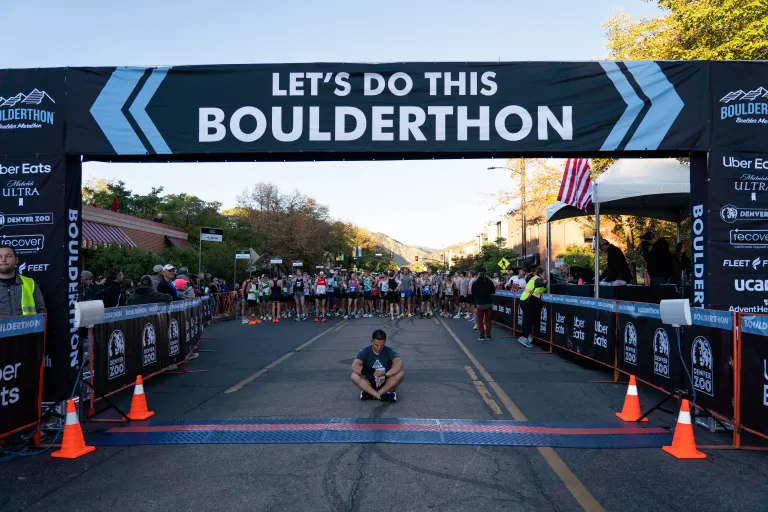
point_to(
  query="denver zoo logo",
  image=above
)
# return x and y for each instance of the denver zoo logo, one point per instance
(148, 345)
(703, 373)
(22, 111)
(630, 344)
(173, 338)
(116, 354)
(543, 320)
(661, 353)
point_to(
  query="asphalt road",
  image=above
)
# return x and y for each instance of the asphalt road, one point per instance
(313, 382)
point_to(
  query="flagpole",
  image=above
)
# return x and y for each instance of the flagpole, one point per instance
(597, 246)
(549, 254)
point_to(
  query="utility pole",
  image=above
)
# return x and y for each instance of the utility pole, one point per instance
(522, 163)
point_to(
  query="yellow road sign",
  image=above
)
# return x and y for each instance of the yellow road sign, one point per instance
(504, 263)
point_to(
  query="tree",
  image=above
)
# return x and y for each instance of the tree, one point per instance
(535, 184)
(701, 29)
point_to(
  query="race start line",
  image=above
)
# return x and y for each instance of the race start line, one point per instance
(388, 430)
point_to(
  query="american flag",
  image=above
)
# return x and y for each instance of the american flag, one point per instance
(576, 187)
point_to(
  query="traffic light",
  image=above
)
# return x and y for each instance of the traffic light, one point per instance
(417, 258)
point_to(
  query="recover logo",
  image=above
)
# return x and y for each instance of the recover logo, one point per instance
(24, 244)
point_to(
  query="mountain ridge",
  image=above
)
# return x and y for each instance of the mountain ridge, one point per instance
(405, 255)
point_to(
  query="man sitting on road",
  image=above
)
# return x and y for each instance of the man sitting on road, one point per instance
(378, 370)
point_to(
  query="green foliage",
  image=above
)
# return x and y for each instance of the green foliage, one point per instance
(578, 256)
(490, 255)
(701, 29)
(134, 263)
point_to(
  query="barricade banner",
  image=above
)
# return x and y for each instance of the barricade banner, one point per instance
(22, 345)
(647, 348)
(541, 329)
(754, 372)
(708, 355)
(141, 340)
(205, 309)
(503, 307)
(519, 314)
(585, 326)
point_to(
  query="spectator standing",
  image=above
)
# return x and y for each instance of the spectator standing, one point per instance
(483, 289)
(146, 294)
(112, 294)
(19, 295)
(166, 285)
(157, 277)
(86, 286)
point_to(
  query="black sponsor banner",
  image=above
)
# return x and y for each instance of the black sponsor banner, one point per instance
(40, 219)
(585, 326)
(739, 99)
(541, 328)
(503, 308)
(647, 348)
(21, 357)
(140, 340)
(388, 108)
(737, 238)
(708, 354)
(116, 345)
(700, 289)
(206, 308)
(32, 111)
(754, 372)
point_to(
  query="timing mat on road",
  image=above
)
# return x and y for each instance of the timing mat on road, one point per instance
(387, 430)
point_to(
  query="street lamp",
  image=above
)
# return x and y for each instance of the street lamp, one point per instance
(522, 201)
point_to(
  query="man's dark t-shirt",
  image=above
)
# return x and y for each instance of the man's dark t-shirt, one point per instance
(373, 362)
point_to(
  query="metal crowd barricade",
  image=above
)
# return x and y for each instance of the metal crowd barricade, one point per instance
(722, 357)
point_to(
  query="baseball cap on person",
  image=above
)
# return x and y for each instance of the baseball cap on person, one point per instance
(169, 267)
(86, 275)
(157, 268)
(145, 281)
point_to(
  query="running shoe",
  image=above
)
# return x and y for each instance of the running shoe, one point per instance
(389, 396)
(245, 321)
(474, 328)
(317, 320)
(304, 318)
(324, 320)
(482, 338)
(298, 319)
(346, 317)
(488, 337)
(524, 342)
(470, 320)
(365, 396)
(277, 320)
(456, 316)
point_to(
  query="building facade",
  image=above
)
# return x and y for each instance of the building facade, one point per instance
(105, 227)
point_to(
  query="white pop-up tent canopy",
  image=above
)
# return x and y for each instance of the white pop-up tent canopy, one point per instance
(654, 188)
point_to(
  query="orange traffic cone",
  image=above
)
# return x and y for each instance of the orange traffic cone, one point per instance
(683, 443)
(73, 444)
(139, 410)
(631, 410)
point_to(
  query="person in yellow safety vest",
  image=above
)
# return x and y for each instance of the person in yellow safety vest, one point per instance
(530, 302)
(19, 295)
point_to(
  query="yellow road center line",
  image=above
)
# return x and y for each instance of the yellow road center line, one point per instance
(484, 394)
(282, 358)
(558, 465)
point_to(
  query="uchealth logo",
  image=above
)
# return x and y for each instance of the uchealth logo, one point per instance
(148, 345)
(630, 344)
(24, 244)
(26, 111)
(750, 285)
(703, 366)
(116, 354)
(173, 338)
(746, 107)
(661, 353)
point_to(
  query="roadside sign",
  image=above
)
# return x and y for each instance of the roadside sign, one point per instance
(298, 263)
(277, 260)
(243, 255)
(319, 266)
(211, 234)
(504, 263)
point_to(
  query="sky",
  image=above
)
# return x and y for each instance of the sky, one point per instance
(444, 201)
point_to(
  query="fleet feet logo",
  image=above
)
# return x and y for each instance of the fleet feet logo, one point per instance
(25, 111)
(746, 107)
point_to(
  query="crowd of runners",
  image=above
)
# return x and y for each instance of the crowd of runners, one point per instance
(392, 294)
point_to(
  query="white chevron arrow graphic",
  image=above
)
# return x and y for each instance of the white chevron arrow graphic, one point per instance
(107, 110)
(666, 105)
(633, 101)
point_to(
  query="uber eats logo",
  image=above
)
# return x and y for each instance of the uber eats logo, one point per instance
(9, 374)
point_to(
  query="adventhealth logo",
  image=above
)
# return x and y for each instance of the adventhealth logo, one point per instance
(745, 105)
(26, 107)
